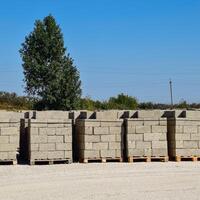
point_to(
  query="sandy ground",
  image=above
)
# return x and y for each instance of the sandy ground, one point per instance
(101, 181)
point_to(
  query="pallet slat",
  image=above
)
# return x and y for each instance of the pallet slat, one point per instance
(187, 158)
(101, 160)
(147, 159)
(50, 162)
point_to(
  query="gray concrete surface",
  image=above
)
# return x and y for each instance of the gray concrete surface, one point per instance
(113, 181)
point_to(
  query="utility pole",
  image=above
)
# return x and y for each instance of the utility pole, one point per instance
(171, 94)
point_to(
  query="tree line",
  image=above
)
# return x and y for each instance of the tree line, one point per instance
(11, 101)
(52, 81)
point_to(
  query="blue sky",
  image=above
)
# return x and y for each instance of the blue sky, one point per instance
(129, 46)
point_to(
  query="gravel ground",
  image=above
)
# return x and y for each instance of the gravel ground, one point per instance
(143, 181)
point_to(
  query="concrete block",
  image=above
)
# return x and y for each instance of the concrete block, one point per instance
(185, 136)
(159, 144)
(89, 130)
(107, 115)
(179, 144)
(56, 155)
(114, 145)
(195, 136)
(155, 114)
(63, 146)
(63, 131)
(179, 129)
(13, 139)
(159, 129)
(34, 139)
(148, 122)
(190, 144)
(68, 154)
(34, 131)
(8, 147)
(100, 146)
(185, 152)
(42, 131)
(91, 123)
(131, 129)
(135, 137)
(108, 138)
(88, 145)
(159, 152)
(47, 147)
(101, 130)
(117, 123)
(107, 153)
(143, 145)
(92, 138)
(55, 139)
(38, 155)
(118, 153)
(190, 129)
(34, 147)
(10, 131)
(12, 155)
(3, 155)
(135, 122)
(91, 154)
(118, 138)
(51, 114)
(155, 136)
(67, 138)
(4, 139)
(143, 129)
(135, 152)
(131, 144)
(147, 152)
(115, 130)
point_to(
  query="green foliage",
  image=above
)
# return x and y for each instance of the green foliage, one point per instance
(122, 102)
(49, 73)
(10, 101)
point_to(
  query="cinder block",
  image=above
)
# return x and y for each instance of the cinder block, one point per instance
(116, 130)
(159, 144)
(135, 152)
(12, 155)
(134, 122)
(63, 146)
(88, 145)
(143, 145)
(63, 131)
(92, 138)
(14, 139)
(42, 131)
(131, 144)
(190, 129)
(159, 129)
(67, 138)
(38, 155)
(108, 138)
(107, 153)
(88, 130)
(38, 139)
(34, 131)
(117, 123)
(4, 139)
(179, 144)
(131, 129)
(8, 147)
(147, 152)
(3, 155)
(10, 131)
(101, 130)
(56, 154)
(190, 144)
(155, 136)
(118, 153)
(135, 137)
(91, 154)
(143, 129)
(159, 152)
(114, 145)
(195, 136)
(148, 122)
(68, 154)
(100, 146)
(47, 147)
(34, 147)
(185, 136)
(55, 139)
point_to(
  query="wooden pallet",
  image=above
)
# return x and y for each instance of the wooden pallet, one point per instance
(147, 159)
(8, 162)
(100, 160)
(187, 158)
(50, 162)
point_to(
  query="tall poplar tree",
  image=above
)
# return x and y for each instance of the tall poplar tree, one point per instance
(49, 72)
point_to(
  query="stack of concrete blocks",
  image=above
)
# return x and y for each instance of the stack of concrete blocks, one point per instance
(9, 136)
(184, 135)
(50, 137)
(100, 136)
(146, 135)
